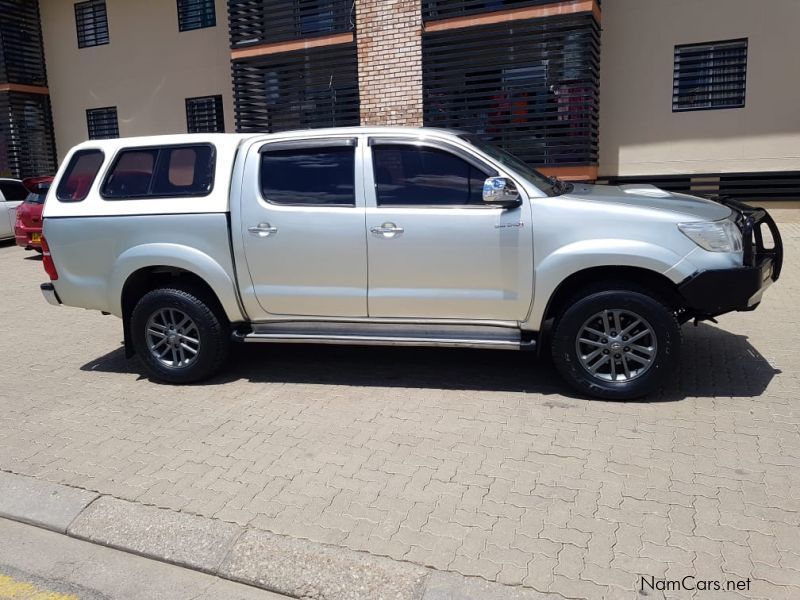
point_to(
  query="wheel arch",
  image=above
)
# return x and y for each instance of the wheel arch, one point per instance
(147, 267)
(658, 284)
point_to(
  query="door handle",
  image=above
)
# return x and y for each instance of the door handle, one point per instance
(262, 229)
(387, 230)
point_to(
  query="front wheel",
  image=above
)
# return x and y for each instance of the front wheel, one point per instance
(179, 335)
(616, 344)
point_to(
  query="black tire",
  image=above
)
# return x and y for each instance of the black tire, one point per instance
(630, 300)
(212, 331)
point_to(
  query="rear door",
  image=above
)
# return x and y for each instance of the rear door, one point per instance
(302, 222)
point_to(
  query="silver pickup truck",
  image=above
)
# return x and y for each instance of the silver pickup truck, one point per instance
(394, 236)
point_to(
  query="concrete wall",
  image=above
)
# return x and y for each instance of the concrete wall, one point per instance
(639, 133)
(147, 71)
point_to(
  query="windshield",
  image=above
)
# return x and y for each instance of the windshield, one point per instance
(549, 185)
(36, 198)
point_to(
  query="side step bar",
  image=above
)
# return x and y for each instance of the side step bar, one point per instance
(387, 335)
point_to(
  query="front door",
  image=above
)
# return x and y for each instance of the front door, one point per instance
(303, 228)
(435, 249)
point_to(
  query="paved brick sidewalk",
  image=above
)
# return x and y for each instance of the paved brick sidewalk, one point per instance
(468, 461)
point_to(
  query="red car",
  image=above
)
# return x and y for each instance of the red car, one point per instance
(28, 226)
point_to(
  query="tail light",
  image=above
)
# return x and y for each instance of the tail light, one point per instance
(47, 261)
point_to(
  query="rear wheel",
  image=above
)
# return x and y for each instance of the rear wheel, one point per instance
(616, 344)
(179, 335)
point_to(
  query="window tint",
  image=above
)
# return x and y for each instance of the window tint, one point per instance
(412, 176)
(161, 172)
(310, 176)
(13, 190)
(79, 175)
(131, 174)
(184, 171)
(91, 21)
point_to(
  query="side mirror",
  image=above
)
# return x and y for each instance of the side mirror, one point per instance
(501, 191)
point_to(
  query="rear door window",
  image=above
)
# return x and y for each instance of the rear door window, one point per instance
(79, 175)
(131, 175)
(316, 176)
(13, 191)
(162, 172)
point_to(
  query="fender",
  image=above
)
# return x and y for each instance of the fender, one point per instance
(567, 260)
(179, 256)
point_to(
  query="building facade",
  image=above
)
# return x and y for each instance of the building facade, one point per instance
(26, 126)
(693, 96)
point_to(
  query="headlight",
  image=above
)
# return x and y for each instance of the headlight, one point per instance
(716, 236)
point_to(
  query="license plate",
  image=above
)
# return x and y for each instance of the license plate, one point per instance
(36, 238)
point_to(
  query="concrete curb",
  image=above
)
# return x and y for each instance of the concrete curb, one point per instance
(294, 567)
(47, 505)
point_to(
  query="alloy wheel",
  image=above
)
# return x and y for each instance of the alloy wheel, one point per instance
(616, 345)
(172, 338)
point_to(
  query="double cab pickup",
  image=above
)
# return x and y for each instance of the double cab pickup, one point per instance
(393, 236)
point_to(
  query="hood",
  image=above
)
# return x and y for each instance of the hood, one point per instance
(649, 196)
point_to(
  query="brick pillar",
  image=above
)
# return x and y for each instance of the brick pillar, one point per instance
(389, 40)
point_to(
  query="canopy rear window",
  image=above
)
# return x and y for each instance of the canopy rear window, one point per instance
(161, 172)
(79, 175)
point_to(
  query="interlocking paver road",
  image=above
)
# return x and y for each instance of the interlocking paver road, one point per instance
(477, 462)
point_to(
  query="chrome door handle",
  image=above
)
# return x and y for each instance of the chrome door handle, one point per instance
(262, 229)
(387, 230)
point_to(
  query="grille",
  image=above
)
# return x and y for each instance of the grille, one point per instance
(317, 87)
(529, 86)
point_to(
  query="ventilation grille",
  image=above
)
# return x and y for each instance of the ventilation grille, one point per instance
(769, 185)
(681, 184)
(196, 14)
(102, 123)
(783, 185)
(266, 21)
(528, 86)
(433, 10)
(204, 115)
(21, 55)
(27, 147)
(91, 21)
(710, 76)
(297, 90)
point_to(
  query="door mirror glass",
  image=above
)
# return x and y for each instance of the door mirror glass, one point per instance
(501, 191)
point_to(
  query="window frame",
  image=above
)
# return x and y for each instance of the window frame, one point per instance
(739, 43)
(474, 161)
(182, 27)
(63, 177)
(218, 103)
(149, 196)
(82, 43)
(309, 144)
(89, 122)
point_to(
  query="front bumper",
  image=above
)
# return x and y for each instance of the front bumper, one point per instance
(715, 292)
(50, 294)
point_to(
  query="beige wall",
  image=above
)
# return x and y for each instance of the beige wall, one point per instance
(147, 71)
(639, 133)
